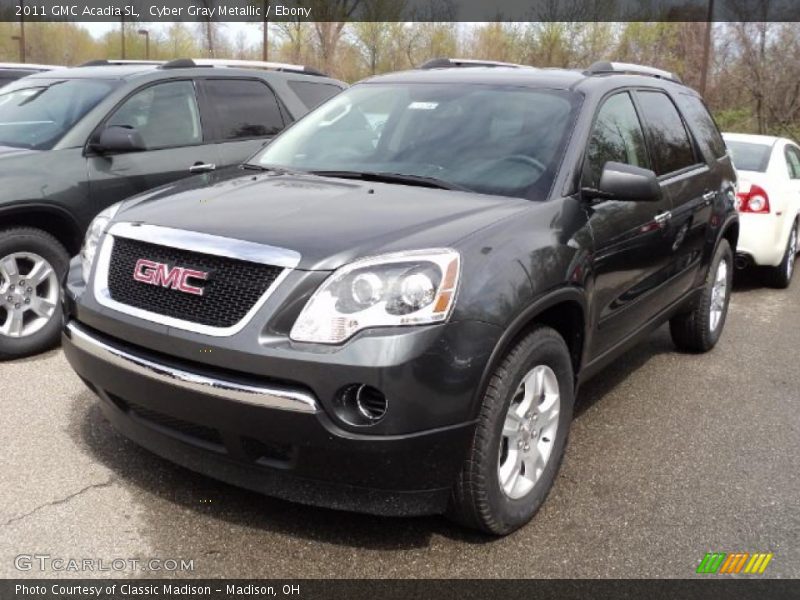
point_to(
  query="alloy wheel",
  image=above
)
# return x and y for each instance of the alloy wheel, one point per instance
(529, 432)
(719, 295)
(28, 294)
(792, 253)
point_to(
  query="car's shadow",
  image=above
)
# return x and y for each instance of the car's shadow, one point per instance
(152, 478)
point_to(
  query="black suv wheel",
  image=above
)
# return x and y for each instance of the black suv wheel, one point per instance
(700, 329)
(520, 436)
(32, 265)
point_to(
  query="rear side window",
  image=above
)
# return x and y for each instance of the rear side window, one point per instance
(703, 124)
(793, 162)
(616, 136)
(748, 156)
(313, 94)
(669, 142)
(245, 108)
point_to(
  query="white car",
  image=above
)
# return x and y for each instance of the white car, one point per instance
(768, 203)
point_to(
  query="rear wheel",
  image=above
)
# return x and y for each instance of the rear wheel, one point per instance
(781, 276)
(32, 265)
(520, 436)
(700, 329)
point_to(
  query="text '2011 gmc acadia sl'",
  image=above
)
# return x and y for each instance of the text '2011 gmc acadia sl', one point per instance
(390, 308)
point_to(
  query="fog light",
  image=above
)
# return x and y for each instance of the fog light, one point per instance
(361, 404)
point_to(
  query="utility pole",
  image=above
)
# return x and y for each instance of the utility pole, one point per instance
(265, 42)
(706, 48)
(146, 35)
(122, 33)
(21, 36)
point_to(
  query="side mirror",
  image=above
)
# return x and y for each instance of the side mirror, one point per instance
(119, 139)
(620, 181)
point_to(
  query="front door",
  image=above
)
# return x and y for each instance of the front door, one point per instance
(630, 242)
(167, 117)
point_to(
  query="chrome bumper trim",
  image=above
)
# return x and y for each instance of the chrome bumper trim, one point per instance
(276, 397)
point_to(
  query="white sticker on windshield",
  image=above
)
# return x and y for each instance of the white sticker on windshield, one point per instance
(423, 105)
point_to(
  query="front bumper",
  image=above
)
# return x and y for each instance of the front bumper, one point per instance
(269, 438)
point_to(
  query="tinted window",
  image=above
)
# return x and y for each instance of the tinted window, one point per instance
(313, 94)
(750, 157)
(616, 136)
(703, 124)
(669, 142)
(793, 161)
(245, 108)
(491, 139)
(165, 115)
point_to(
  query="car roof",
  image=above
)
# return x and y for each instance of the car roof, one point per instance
(752, 138)
(552, 78)
(155, 71)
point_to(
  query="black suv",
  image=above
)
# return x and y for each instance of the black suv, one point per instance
(75, 141)
(391, 307)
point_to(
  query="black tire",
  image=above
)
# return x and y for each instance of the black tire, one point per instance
(478, 500)
(692, 331)
(36, 241)
(781, 276)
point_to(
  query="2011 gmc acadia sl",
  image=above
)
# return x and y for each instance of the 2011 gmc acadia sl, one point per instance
(390, 307)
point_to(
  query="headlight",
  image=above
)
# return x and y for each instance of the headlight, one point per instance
(407, 288)
(93, 236)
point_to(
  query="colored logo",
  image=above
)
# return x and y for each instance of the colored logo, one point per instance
(735, 562)
(163, 275)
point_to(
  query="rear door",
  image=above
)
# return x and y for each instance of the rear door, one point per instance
(689, 185)
(245, 115)
(631, 249)
(792, 156)
(167, 116)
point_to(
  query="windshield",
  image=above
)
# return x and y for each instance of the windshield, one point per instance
(496, 140)
(748, 156)
(37, 113)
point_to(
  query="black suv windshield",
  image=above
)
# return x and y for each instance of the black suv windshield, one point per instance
(37, 113)
(496, 140)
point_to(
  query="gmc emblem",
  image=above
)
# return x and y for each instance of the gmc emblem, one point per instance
(161, 274)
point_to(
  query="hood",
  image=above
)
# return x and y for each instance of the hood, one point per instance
(328, 221)
(7, 151)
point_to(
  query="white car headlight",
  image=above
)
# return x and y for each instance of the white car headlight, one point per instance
(406, 288)
(93, 236)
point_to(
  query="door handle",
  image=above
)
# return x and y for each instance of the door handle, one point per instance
(663, 218)
(709, 196)
(200, 167)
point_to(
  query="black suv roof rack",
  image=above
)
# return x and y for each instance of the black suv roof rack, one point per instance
(605, 67)
(446, 63)
(186, 63)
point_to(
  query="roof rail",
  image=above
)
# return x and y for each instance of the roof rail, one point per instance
(604, 67)
(29, 66)
(102, 62)
(183, 63)
(446, 63)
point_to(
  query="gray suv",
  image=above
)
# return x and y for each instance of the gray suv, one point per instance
(75, 141)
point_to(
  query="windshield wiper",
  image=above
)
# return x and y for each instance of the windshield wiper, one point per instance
(276, 170)
(401, 178)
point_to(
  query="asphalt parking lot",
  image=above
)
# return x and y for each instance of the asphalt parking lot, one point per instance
(670, 456)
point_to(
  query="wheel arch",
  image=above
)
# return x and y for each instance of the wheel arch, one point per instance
(52, 219)
(563, 309)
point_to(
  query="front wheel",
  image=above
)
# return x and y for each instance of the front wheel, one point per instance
(32, 265)
(700, 329)
(520, 436)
